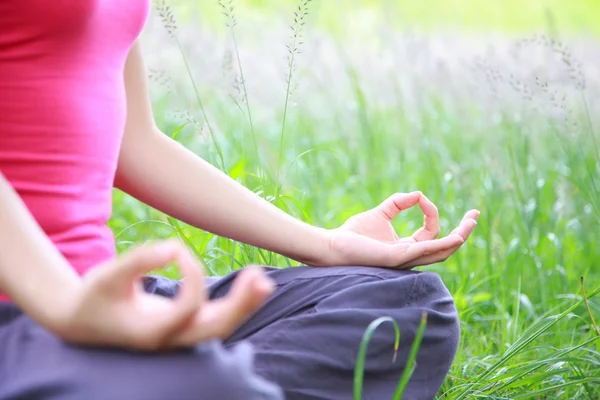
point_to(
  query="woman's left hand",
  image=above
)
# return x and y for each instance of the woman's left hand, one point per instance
(369, 239)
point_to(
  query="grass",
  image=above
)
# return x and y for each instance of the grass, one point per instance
(505, 124)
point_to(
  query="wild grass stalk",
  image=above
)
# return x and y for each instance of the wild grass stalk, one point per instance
(293, 51)
(229, 12)
(170, 23)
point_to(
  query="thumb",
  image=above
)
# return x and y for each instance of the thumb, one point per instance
(188, 302)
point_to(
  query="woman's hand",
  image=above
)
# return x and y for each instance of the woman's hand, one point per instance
(369, 238)
(112, 309)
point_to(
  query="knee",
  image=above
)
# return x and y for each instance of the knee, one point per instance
(412, 293)
(430, 292)
(430, 295)
(425, 293)
(401, 289)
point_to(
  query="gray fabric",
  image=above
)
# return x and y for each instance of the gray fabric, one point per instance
(305, 339)
(34, 365)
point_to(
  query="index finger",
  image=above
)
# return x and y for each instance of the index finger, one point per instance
(397, 203)
(120, 273)
(142, 260)
(191, 296)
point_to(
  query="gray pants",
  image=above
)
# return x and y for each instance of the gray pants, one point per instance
(301, 345)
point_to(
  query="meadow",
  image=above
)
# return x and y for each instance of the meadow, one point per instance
(327, 112)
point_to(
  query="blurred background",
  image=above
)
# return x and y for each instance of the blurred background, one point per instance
(479, 16)
(326, 107)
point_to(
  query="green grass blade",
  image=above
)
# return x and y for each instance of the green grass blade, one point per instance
(190, 245)
(412, 359)
(362, 352)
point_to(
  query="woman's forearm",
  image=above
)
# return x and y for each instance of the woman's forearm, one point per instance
(165, 175)
(33, 273)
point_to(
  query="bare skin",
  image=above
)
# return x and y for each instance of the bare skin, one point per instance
(107, 307)
(212, 201)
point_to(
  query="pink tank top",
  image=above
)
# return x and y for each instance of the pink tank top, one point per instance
(62, 114)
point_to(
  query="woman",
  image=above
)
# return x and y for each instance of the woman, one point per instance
(76, 321)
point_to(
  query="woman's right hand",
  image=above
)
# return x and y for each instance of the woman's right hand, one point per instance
(112, 309)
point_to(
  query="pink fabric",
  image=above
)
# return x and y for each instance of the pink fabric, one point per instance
(62, 114)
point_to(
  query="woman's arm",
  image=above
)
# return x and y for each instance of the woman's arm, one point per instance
(163, 174)
(108, 307)
(33, 273)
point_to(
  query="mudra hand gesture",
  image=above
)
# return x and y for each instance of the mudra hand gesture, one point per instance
(369, 238)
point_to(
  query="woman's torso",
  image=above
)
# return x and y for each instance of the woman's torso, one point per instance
(62, 113)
